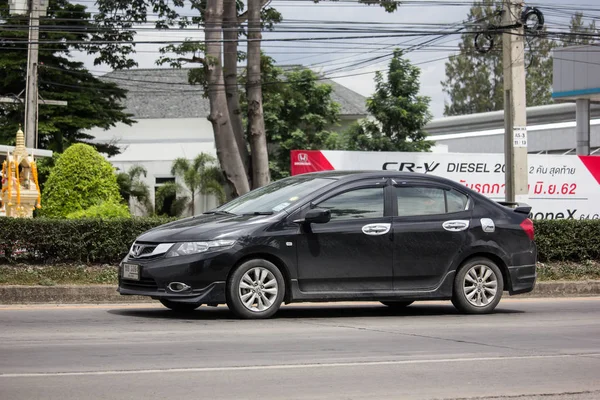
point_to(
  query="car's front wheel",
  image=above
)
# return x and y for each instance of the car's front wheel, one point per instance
(478, 287)
(178, 306)
(255, 289)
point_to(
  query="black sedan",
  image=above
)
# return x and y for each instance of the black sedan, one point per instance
(338, 236)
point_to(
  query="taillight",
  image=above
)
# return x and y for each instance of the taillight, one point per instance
(527, 226)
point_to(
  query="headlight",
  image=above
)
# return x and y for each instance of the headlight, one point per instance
(187, 248)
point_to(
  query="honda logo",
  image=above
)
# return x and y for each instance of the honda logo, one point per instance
(136, 250)
(303, 157)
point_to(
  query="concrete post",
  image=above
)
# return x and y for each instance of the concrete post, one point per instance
(31, 94)
(583, 127)
(515, 117)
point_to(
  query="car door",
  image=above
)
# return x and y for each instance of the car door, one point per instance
(353, 251)
(430, 228)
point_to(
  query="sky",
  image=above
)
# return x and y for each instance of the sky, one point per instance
(329, 56)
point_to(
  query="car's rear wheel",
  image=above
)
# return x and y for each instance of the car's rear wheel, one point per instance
(178, 306)
(397, 305)
(255, 289)
(478, 287)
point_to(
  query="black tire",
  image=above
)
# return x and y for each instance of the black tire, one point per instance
(479, 289)
(234, 292)
(178, 306)
(397, 305)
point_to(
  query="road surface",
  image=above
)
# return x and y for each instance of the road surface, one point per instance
(528, 348)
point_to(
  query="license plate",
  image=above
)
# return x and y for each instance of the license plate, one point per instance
(131, 272)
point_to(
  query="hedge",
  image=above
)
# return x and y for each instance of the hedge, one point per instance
(568, 240)
(42, 240)
(47, 240)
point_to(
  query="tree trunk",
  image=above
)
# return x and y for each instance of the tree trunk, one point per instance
(193, 204)
(230, 62)
(227, 149)
(256, 122)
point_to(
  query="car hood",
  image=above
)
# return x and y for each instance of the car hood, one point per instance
(206, 227)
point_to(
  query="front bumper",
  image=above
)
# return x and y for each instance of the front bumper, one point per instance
(522, 279)
(212, 294)
(205, 274)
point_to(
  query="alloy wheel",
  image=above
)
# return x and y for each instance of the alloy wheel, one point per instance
(480, 285)
(258, 289)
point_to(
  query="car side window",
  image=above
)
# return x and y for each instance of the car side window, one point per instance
(425, 200)
(456, 201)
(355, 204)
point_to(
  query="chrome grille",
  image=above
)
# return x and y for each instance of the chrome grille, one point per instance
(141, 250)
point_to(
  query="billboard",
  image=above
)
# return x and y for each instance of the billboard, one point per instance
(560, 187)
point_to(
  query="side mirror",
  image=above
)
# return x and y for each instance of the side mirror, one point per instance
(316, 216)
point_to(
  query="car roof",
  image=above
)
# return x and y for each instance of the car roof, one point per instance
(356, 175)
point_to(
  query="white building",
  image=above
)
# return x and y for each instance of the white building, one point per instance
(172, 122)
(551, 129)
(572, 126)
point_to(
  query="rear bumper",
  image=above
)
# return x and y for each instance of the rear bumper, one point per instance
(522, 279)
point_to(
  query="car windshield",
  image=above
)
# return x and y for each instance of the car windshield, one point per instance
(274, 197)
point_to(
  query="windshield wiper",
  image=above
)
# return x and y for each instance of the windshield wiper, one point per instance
(259, 213)
(220, 212)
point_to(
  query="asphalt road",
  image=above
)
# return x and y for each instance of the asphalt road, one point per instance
(527, 348)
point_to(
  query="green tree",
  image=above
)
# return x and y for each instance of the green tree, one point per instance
(200, 176)
(81, 178)
(399, 113)
(581, 33)
(170, 201)
(299, 113)
(131, 186)
(104, 210)
(474, 81)
(91, 102)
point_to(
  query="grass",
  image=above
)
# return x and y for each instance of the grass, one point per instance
(568, 271)
(20, 274)
(43, 275)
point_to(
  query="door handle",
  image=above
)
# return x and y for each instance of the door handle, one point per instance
(376, 229)
(456, 225)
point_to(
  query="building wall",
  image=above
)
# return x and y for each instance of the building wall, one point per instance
(180, 130)
(162, 169)
(155, 144)
(556, 138)
(576, 72)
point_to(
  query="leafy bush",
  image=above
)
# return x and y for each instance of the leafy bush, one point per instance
(568, 240)
(43, 240)
(80, 179)
(103, 210)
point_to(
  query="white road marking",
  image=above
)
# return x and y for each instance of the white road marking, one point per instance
(292, 366)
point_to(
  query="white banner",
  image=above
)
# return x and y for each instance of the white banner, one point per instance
(560, 187)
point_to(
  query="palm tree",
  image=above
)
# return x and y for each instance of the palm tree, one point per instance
(131, 186)
(200, 176)
(167, 201)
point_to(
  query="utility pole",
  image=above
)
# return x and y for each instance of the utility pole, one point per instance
(515, 114)
(35, 9)
(31, 93)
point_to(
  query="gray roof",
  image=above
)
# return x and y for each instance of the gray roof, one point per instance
(165, 93)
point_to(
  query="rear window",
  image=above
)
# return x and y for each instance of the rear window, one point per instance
(426, 200)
